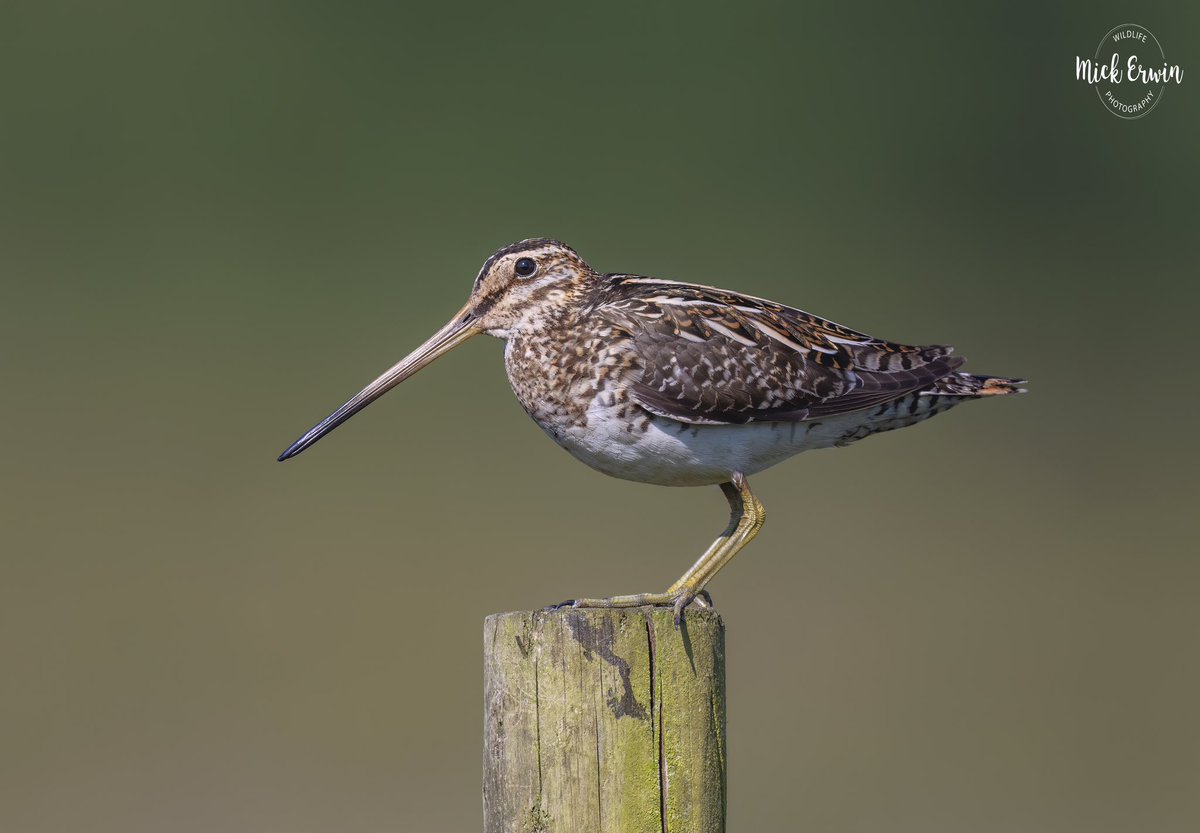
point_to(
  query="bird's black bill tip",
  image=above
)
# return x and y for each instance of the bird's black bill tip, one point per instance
(292, 450)
(321, 429)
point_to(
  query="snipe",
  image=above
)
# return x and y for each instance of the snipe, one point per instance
(679, 384)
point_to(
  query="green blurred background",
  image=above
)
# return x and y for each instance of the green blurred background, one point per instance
(219, 219)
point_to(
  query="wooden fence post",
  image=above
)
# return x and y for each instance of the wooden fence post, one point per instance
(604, 721)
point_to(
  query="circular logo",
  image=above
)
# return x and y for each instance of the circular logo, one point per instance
(1132, 71)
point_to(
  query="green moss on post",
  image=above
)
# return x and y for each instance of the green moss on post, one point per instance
(604, 721)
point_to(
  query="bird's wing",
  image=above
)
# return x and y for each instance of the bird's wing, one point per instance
(713, 357)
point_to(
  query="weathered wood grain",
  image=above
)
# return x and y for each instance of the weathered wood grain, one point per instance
(604, 721)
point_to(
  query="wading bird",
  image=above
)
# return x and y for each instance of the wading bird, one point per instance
(679, 384)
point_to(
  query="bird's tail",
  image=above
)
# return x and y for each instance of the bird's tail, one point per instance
(967, 384)
(945, 393)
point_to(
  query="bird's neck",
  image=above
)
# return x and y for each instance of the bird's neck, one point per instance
(558, 310)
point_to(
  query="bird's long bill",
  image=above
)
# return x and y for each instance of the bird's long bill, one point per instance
(461, 327)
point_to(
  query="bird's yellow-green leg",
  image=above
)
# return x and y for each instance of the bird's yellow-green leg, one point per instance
(746, 519)
(750, 515)
(736, 514)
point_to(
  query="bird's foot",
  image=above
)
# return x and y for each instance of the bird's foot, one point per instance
(701, 599)
(678, 600)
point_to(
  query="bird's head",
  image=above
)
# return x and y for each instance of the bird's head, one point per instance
(526, 286)
(522, 287)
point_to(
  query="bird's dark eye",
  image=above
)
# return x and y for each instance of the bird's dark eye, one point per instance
(526, 267)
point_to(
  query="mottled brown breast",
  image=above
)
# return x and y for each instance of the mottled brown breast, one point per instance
(563, 370)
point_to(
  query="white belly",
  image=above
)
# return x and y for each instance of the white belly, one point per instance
(669, 453)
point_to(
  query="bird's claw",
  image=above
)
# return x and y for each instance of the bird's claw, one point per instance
(701, 599)
(682, 599)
